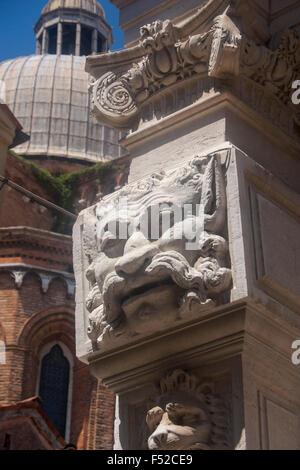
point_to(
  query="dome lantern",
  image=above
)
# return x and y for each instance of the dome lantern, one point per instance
(72, 27)
(48, 91)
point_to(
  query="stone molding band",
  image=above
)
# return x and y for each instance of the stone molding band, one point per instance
(18, 272)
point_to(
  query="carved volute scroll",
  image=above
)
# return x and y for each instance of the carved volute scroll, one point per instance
(157, 273)
(188, 415)
(168, 55)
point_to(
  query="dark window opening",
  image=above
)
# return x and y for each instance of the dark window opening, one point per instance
(7, 442)
(54, 387)
(52, 38)
(70, 269)
(100, 44)
(68, 38)
(86, 41)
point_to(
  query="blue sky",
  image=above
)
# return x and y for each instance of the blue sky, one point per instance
(17, 18)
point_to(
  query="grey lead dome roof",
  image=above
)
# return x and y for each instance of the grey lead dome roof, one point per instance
(49, 96)
(91, 6)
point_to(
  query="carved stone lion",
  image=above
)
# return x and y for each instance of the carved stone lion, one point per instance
(188, 416)
(169, 259)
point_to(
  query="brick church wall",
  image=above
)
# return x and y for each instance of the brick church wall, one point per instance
(29, 320)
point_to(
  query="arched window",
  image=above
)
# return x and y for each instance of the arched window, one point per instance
(54, 386)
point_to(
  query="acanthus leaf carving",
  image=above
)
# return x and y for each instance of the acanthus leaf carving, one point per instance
(225, 47)
(171, 54)
(274, 70)
(165, 62)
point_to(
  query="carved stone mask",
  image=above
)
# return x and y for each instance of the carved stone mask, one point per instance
(186, 416)
(178, 426)
(170, 256)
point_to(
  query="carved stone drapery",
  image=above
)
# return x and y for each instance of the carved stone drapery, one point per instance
(168, 55)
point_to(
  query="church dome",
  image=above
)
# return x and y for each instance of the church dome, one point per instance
(92, 6)
(48, 92)
(49, 96)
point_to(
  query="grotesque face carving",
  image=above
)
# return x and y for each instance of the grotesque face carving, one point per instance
(187, 416)
(178, 426)
(155, 248)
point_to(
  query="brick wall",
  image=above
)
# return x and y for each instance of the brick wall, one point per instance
(17, 209)
(29, 320)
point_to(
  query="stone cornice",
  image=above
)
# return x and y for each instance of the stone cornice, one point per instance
(18, 272)
(206, 105)
(96, 65)
(168, 56)
(36, 247)
(229, 331)
(26, 250)
(211, 7)
(37, 232)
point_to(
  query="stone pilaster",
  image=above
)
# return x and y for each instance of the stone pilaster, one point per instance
(174, 329)
(78, 39)
(59, 38)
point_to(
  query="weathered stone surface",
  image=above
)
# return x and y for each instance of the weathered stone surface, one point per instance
(257, 327)
(188, 415)
(171, 263)
(214, 83)
(168, 55)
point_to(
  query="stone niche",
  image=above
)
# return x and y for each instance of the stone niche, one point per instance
(191, 316)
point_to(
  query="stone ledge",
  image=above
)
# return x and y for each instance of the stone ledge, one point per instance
(210, 104)
(220, 335)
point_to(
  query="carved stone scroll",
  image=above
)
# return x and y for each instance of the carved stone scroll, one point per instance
(168, 55)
